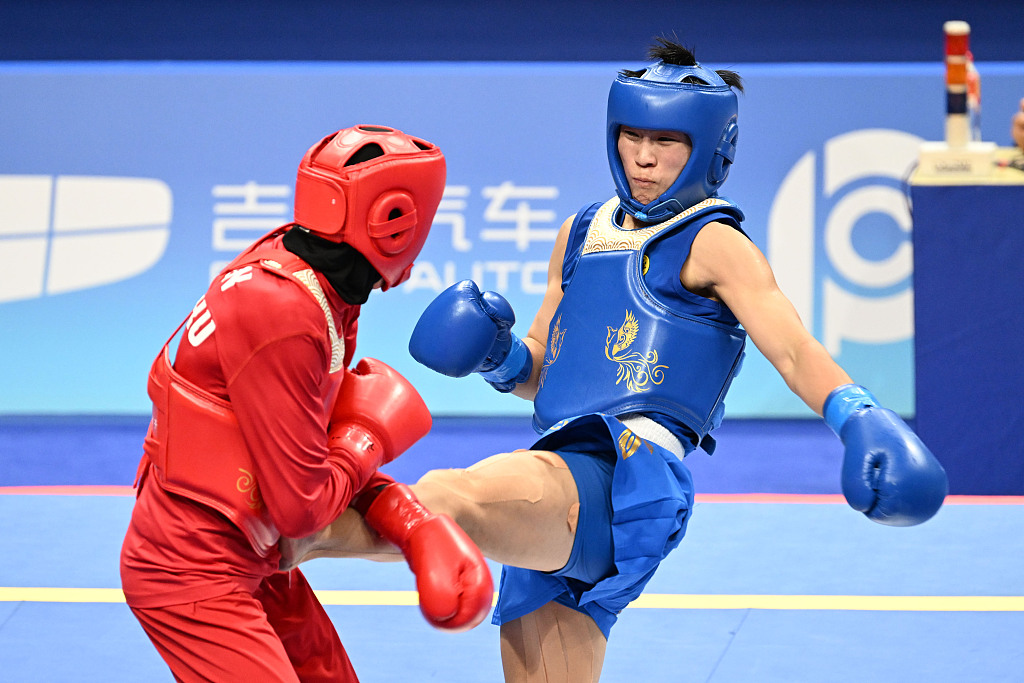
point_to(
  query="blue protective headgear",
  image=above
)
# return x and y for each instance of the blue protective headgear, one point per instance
(704, 111)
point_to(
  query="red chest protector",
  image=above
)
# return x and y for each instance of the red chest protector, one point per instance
(194, 442)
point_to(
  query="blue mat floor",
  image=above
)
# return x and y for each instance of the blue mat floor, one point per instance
(796, 554)
(755, 593)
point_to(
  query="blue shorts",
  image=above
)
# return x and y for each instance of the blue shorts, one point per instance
(635, 499)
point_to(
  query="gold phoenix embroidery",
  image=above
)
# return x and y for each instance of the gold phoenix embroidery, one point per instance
(554, 348)
(638, 370)
(629, 443)
(247, 484)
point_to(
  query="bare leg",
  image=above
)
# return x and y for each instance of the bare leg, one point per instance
(347, 536)
(553, 644)
(520, 508)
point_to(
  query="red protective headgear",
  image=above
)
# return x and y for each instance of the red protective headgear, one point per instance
(374, 188)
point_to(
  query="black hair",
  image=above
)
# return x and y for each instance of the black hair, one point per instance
(672, 52)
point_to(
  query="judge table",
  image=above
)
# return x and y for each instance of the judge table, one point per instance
(969, 324)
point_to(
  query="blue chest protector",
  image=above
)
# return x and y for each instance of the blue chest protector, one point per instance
(628, 338)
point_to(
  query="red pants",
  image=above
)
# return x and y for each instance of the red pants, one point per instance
(281, 633)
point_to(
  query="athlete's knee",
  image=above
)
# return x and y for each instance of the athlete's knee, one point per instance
(467, 495)
(521, 485)
(444, 492)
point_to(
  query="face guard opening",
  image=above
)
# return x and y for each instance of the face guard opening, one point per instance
(691, 100)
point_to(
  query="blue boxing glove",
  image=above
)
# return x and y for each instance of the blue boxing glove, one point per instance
(888, 473)
(464, 331)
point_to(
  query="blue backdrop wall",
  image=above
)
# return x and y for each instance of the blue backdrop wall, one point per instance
(125, 184)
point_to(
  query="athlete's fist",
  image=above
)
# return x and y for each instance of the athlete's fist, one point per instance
(465, 330)
(888, 473)
(377, 416)
(452, 577)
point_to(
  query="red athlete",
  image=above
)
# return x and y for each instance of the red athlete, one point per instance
(260, 431)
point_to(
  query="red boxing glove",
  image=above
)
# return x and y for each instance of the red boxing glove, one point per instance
(452, 577)
(377, 416)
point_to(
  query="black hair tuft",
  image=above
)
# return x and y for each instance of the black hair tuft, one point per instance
(671, 52)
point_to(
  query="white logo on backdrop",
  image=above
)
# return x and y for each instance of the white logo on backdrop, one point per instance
(869, 311)
(59, 234)
(510, 217)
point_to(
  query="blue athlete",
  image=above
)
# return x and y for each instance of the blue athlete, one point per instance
(650, 299)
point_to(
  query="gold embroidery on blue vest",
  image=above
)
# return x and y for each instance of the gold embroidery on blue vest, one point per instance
(638, 370)
(554, 347)
(629, 443)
